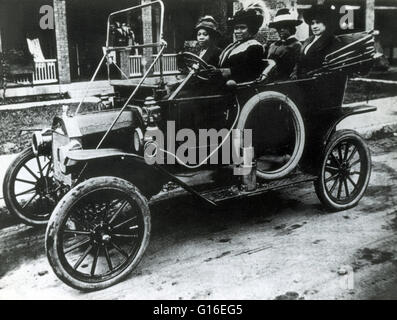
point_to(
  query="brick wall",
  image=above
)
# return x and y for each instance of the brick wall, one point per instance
(61, 36)
(147, 30)
(1, 19)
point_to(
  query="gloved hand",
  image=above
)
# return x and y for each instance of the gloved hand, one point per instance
(214, 74)
(293, 76)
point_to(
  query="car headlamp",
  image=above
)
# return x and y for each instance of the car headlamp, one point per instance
(41, 141)
(138, 140)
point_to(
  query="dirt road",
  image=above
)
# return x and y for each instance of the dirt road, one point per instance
(281, 246)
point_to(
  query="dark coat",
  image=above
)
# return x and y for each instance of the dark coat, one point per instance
(211, 56)
(285, 54)
(244, 59)
(315, 56)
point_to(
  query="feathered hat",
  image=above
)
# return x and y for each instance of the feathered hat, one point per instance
(250, 16)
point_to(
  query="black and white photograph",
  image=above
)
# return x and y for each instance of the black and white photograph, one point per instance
(198, 151)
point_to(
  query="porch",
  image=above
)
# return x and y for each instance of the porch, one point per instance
(30, 51)
(45, 72)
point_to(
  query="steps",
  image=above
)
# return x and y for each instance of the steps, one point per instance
(74, 90)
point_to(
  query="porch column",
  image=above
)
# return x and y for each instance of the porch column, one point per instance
(147, 29)
(1, 19)
(370, 15)
(61, 37)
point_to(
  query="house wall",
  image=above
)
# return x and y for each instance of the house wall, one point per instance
(181, 17)
(19, 20)
(385, 22)
(74, 17)
(86, 23)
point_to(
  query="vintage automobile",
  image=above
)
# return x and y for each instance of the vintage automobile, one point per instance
(99, 170)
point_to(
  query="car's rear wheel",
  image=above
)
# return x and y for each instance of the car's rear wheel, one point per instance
(344, 172)
(98, 233)
(29, 189)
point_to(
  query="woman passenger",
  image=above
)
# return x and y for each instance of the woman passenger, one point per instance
(285, 52)
(242, 60)
(314, 50)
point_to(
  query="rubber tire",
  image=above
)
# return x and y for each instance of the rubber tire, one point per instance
(11, 172)
(271, 96)
(61, 212)
(319, 186)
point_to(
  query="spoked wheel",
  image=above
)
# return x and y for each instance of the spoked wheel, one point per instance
(345, 171)
(98, 233)
(30, 192)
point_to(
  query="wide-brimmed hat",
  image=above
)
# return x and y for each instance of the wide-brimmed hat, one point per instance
(208, 23)
(251, 17)
(325, 13)
(284, 18)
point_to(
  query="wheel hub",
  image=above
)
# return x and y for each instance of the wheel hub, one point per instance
(106, 238)
(101, 234)
(344, 170)
(43, 185)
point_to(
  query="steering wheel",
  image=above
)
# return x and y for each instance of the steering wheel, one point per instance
(193, 63)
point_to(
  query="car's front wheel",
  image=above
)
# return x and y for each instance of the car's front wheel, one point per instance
(29, 188)
(98, 233)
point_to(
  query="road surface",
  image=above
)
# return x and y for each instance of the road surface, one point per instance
(279, 246)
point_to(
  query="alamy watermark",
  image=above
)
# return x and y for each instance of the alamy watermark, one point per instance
(193, 149)
(346, 22)
(47, 18)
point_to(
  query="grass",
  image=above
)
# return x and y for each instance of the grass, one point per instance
(12, 121)
(362, 91)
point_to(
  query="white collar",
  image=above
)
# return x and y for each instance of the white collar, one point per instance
(203, 52)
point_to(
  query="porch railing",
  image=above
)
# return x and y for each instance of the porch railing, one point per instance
(45, 72)
(169, 65)
(135, 66)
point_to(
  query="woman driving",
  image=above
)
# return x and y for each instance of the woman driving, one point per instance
(207, 33)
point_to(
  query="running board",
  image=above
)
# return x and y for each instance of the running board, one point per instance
(223, 194)
(234, 193)
(187, 188)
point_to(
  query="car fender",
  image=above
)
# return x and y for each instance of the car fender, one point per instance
(344, 113)
(85, 164)
(74, 157)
